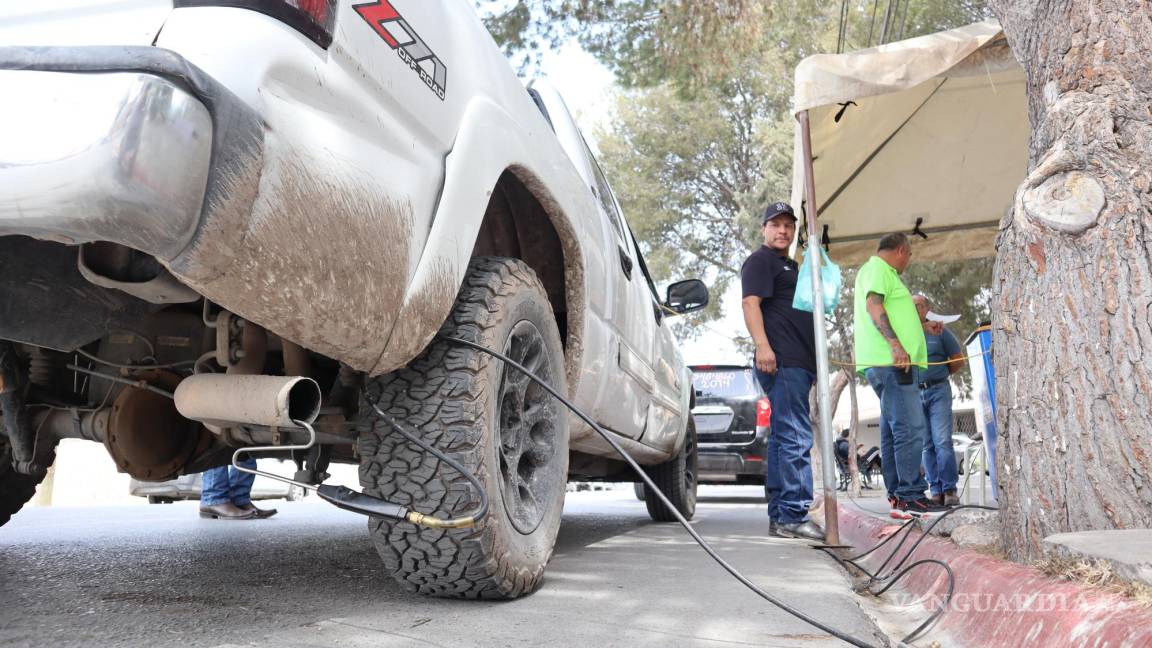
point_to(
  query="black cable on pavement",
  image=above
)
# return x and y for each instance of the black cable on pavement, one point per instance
(923, 627)
(894, 576)
(924, 534)
(907, 529)
(655, 490)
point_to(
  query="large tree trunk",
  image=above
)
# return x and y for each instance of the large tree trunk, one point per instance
(1073, 280)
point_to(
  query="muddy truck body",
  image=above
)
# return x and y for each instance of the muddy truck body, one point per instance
(277, 209)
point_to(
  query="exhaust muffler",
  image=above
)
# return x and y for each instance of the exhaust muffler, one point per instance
(224, 400)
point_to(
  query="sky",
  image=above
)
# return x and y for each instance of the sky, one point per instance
(588, 88)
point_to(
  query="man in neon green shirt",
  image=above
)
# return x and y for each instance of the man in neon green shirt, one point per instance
(890, 349)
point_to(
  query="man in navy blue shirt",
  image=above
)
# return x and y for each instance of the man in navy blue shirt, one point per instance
(936, 397)
(786, 369)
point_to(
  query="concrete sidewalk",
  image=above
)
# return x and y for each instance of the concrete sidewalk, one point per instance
(649, 585)
(162, 577)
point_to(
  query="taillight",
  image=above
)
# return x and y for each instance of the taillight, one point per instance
(318, 10)
(763, 413)
(313, 18)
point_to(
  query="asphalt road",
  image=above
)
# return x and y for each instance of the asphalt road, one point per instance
(161, 576)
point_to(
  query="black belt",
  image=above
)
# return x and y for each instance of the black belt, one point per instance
(932, 383)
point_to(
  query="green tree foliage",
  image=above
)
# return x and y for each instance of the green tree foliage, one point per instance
(873, 22)
(692, 174)
(702, 135)
(644, 42)
(692, 43)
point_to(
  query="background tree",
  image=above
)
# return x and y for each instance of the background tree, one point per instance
(692, 174)
(1073, 276)
(873, 22)
(695, 157)
(691, 43)
(644, 42)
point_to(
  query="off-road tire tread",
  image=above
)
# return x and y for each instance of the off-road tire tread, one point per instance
(441, 394)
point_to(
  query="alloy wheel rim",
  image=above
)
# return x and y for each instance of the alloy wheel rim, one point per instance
(690, 464)
(526, 440)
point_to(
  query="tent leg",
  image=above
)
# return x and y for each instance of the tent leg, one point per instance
(823, 387)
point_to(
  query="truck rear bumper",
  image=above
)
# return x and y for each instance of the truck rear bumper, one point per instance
(116, 156)
(130, 145)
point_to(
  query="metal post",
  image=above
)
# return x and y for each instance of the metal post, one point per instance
(981, 475)
(823, 386)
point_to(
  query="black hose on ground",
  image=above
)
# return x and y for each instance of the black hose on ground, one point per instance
(893, 576)
(935, 616)
(924, 534)
(654, 489)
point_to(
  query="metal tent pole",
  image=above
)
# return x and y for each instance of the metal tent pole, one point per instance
(823, 386)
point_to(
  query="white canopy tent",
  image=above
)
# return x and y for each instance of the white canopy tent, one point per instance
(926, 136)
(931, 130)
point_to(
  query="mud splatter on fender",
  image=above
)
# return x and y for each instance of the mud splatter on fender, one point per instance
(421, 317)
(319, 255)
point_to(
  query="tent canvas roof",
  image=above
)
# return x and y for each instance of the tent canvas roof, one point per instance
(936, 132)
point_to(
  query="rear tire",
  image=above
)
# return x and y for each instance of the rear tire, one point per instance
(676, 478)
(638, 488)
(15, 488)
(511, 433)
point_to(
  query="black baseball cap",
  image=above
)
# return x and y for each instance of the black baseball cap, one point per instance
(777, 209)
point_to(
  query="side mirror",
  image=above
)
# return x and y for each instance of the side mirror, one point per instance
(686, 296)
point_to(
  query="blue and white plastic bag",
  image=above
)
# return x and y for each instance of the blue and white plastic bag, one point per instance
(830, 279)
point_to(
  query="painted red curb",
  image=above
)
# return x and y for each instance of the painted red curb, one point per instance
(999, 603)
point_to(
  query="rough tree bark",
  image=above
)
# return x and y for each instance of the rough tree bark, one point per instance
(1073, 276)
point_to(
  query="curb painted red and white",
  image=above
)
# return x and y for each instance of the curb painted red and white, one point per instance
(998, 603)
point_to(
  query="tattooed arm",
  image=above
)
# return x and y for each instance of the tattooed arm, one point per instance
(879, 317)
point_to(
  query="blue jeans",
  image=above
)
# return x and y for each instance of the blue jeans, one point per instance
(788, 462)
(939, 456)
(902, 432)
(226, 484)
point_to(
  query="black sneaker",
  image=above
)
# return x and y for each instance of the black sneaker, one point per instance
(774, 529)
(921, 507)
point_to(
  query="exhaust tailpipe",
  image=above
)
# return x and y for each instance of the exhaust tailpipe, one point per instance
(270, 401)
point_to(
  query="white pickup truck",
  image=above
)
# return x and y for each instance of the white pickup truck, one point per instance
(203, 189)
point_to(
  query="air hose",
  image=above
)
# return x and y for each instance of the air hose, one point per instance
(894, 575)
(656, 491)
(351, 500)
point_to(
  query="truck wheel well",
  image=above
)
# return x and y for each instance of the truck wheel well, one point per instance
(516, 225)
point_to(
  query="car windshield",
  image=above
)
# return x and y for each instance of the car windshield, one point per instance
(723, 383)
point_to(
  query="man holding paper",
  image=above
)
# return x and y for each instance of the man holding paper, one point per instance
(936, 398)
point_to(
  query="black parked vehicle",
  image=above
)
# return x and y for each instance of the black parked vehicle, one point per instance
(732, 415)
